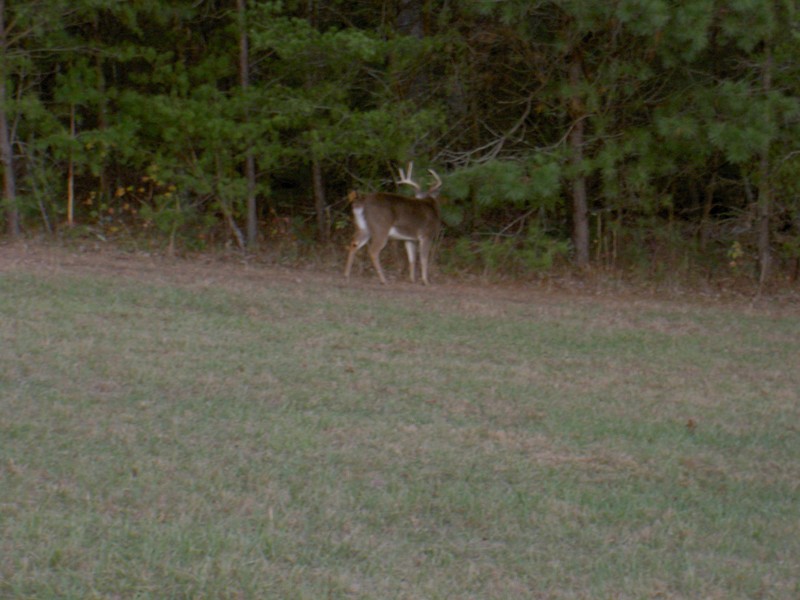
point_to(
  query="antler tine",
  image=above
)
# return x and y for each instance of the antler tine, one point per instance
(438, 183)
(406, 179)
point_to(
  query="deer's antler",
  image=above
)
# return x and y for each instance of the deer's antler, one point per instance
(434, 189)
(407, 179)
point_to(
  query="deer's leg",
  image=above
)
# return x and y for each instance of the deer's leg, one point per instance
(359, 239)
(411, 250)
(424, 254)
(376, 244)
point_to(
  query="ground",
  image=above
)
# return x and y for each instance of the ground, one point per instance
(224, 427)
(231, 270)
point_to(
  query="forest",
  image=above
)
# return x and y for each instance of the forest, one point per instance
(647, 135)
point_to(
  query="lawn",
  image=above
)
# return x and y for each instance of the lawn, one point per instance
(183, 429)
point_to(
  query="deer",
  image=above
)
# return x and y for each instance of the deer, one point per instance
(381, 216)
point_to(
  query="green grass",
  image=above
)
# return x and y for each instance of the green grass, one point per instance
(261, 437)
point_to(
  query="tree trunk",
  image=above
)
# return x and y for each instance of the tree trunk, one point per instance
(764, 191)
(71, 170)
(580, 210)
(708, 206)
(102, 115)
(320, 204)
(317, 178)
(6, 149)
(249, 161)
(764, 214)
(252, 207)
(227, 211)
(410, 21)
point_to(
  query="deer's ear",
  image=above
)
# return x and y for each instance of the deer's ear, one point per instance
(352, 196)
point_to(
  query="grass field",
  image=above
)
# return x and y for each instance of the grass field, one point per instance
(186, 430)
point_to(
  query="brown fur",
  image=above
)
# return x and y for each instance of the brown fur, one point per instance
(380, 216)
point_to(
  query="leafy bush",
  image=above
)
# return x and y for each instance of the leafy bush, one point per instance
(518, 255)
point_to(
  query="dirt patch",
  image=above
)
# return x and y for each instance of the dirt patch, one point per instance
(233, 271)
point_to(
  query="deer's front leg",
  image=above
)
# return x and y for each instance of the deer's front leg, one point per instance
(359, 239)
(377, 244)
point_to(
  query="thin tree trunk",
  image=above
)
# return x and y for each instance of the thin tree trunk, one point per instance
(6, 150)
(71, 171)
(317, 177)
(249, 161)
(227, 211)
(320, 204)
(410, 21)
(102, 116)
(764, 192)
(252, 206)
(580, 210)
(708, 206)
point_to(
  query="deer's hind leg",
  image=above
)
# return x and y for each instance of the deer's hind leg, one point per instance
(424, 254)
(411, 251)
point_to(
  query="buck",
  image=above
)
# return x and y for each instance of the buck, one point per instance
(381, 216)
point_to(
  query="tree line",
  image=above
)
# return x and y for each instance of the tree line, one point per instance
(643, 133)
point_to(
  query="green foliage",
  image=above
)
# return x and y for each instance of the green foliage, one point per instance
(746, 129)
(297, 44)
(747, 23)
(532, 252)
(167, 212)
(644, 17)
(679, 107)
(686, 33)
(535, 183)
